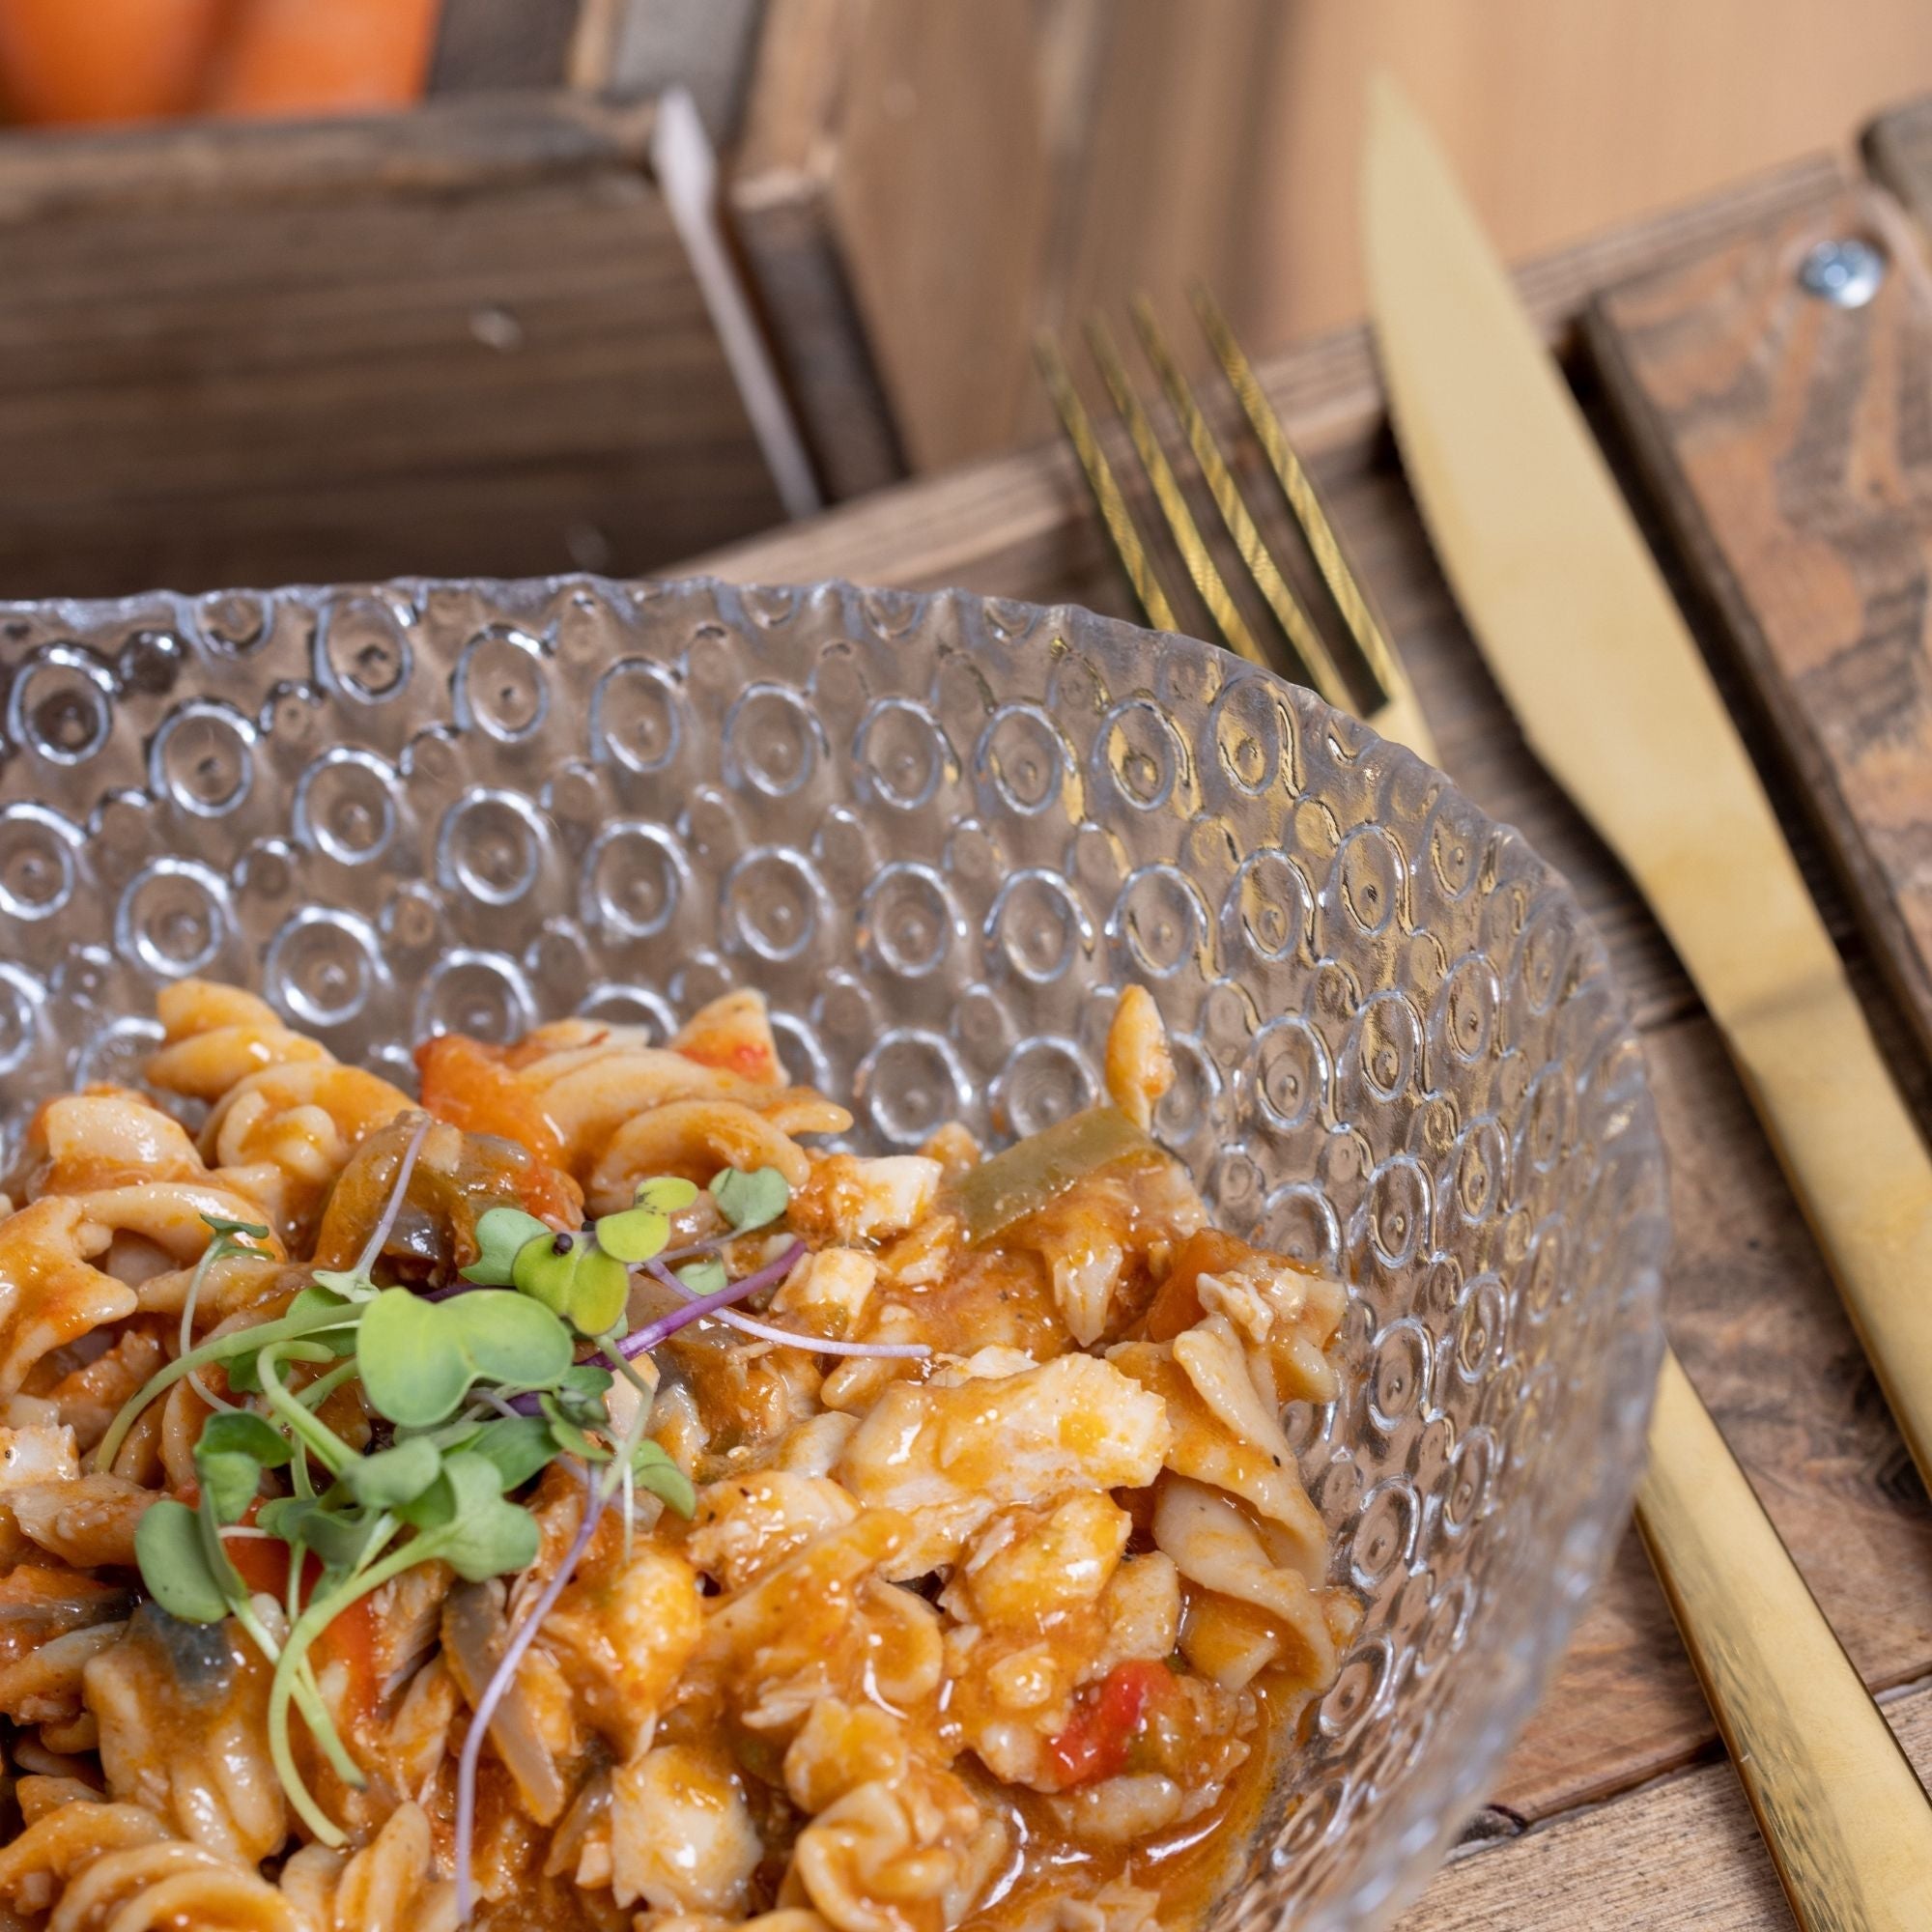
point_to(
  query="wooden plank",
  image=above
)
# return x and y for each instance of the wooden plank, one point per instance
(1681, 1855)
(894, 161)
(463, 340)
(1784, 439)
(1217, 140)
(706, 45)
(1898, 152)
(779, 202)
(1751, 1308)
(1014, 523)
(490, 44)
(457, 148)
(1754, 1313)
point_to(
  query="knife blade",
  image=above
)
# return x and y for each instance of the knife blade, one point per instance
(1577, 624)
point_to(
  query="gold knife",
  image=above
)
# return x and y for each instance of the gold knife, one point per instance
(1576, 623)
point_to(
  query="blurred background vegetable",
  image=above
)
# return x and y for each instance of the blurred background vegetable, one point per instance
(107, 60)
(137, 60)
(325, 56)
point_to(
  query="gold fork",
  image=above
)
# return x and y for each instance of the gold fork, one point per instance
(1391, 708)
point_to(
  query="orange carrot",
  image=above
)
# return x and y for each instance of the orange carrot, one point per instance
(105, 60)
(325, 56)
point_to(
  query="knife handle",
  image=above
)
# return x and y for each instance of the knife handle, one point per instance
(1845, 1818)
(1859, 1169)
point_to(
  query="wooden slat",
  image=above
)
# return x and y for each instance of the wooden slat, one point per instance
(1898, 152)
(465, 340)
(1682, 1855)
(1785, 441)
(457, 148)
(1752, 1310)
(1009, 524)
(502, 44)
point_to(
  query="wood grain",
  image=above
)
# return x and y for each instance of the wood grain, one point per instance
(1751, 1308)
(462, 340)
(895, 175)
(1898, 154)
(488, 44)
(1218, 139)
(1681, 1855)
(1788, 445)
(780, 199)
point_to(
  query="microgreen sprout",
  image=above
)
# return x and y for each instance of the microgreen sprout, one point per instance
(751, 1201)
(501, 1235)
(474, 1390)
(420, 1359)
(643, 1231)
(231, 1238)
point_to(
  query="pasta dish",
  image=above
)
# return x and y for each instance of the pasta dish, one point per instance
(582, 1496)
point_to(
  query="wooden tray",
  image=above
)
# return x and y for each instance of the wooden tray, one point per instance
(1582, 1832)
(463, 339)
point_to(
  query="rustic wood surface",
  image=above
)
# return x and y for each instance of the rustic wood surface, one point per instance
(1783, 439)
(1898, 152)
(1679, 1855)
(1218, 139)
(1750, 1306)
(501, 44)
(461, 340)
(782, 207)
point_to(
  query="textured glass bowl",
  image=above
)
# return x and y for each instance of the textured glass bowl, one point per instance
(940, 832)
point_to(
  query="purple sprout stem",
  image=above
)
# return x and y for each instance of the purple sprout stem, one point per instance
(652, 1333)
(494, 1692)
(790, 1338)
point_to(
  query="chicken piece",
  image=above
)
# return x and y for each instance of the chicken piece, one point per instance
(681, 1833)
(1015, 1684)
(852, 1198)
(1028, 1564)
(38, 1452)
(951, 1457)
(829, 1291)
(746, 1525)
(821, 1623)
(622, 1634)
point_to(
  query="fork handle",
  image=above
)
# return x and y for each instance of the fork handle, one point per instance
(1845, 1818)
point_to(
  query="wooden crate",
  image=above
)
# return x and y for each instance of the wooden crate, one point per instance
(465, 339)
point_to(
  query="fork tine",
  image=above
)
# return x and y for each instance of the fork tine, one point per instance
(1298, 628)
(1166, 487)
(1302, 500)
(1105, 486)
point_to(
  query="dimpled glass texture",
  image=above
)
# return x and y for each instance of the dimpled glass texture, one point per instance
(940, 832)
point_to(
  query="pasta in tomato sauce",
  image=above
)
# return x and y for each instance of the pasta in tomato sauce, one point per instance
(580, 1497)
